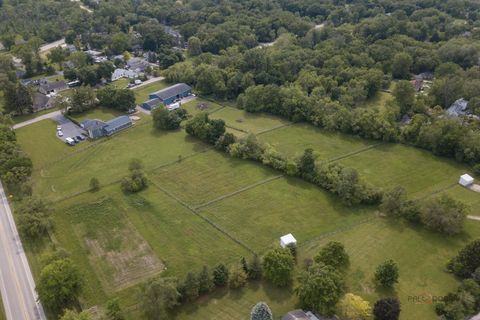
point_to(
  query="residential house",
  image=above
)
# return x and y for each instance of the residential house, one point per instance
(123, 73)
(52, 87)
(458, 108)
(172, 94)
(137, 64)
(41, 102)
(98, 128)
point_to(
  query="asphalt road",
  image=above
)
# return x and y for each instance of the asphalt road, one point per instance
(16, 281)
(50, 115)
(52, 45)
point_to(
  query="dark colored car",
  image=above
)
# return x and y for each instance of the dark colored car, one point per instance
(80, 138)
(75, 139)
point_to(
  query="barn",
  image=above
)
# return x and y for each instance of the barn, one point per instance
(172, 94)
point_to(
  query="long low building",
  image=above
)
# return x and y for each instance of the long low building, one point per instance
(98, 128)
(171, 94)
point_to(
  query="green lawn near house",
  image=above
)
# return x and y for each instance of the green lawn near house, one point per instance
(106, 159)
(104, 114)
(40, 142)
(193, 108)
(141, 93)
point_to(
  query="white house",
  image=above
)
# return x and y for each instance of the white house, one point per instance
(123, 73)
(287, 239)
(465, 180)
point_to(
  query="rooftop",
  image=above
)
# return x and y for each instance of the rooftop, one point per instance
(172, 91)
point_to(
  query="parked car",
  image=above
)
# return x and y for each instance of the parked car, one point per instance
(75, 139)
(60, 133)
(70, 141)
(59, 128)
(80, 138)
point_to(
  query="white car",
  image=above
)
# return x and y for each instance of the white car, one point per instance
(59, 128)
(60, 133)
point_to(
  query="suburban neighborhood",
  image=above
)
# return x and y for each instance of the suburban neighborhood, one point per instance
(275, 160)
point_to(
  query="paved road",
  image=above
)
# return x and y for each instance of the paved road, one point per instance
(52, 45)
(16, 281)
(50, 115)
(147, 82)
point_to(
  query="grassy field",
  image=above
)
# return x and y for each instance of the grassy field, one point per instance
(294, 139)
(192, 109)
(418, 171)
(104, 114)
(106, 159)
(286, 205)
(200, 205)
(420, 254)
(248, 122)
(196, 181)
(141, 93)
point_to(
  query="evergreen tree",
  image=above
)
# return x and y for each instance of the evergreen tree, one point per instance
(191, 287)
(255, 270)
(244, 264)
(220, 275)
(261, 311)
(205, 281)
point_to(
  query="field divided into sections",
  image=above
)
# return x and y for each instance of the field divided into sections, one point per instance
(194, 188)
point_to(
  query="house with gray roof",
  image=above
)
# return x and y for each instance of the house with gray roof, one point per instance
(458, 108)
(52, 87)
(41, 102)
(97, 128)
(137, 64)
(172, 94)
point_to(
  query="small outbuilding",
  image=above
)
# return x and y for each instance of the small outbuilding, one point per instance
(151, 104)
(287, 240)
(466, 180)
(301, 315)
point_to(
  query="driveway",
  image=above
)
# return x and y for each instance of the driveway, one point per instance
(69, 128)
(50, 115)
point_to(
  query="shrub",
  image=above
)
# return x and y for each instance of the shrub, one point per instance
(386, 274)
(237, 278)
(278, 266)
(333, 254)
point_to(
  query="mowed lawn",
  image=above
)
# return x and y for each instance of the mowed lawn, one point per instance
(192, 107)
(40, 142)
(107, 159)
(421, 256)
(112, 236)
(248, 122)
(261, 215)
(418, 171)
(141, 93)
(104, 114)
(208, 176)
(294, 139)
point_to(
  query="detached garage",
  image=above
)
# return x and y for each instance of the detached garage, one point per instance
(171, 94)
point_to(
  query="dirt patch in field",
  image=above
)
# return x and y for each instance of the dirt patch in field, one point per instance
(122, 258)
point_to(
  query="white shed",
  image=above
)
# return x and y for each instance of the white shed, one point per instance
(465, 180)
(287, 240)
